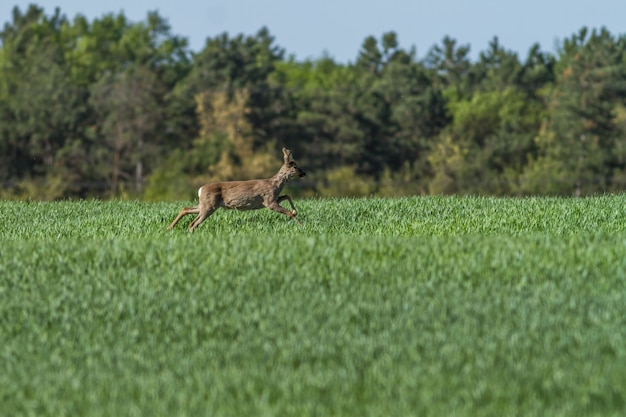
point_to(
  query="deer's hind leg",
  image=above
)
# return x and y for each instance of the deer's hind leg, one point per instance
(201, 217)
(207, 206)
(185, 211)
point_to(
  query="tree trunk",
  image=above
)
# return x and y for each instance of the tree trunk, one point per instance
(139, 166)
(116, 169)
(139, 177)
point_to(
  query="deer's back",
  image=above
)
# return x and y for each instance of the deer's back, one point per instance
(241, 195)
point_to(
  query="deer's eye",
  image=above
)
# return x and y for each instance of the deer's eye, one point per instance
(292, 164)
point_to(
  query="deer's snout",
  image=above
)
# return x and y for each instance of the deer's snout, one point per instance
(301, 173)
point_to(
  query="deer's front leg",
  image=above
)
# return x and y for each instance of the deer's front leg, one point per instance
(286, 197)
(277, 207)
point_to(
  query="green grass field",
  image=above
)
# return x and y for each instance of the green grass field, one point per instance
(435, 306)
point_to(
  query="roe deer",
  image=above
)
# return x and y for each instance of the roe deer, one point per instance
(245, 195)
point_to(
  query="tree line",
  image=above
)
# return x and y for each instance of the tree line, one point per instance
(111, 108)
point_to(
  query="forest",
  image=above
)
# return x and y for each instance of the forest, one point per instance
(111, 108)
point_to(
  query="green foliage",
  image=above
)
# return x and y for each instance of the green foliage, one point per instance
(435, 306)
(104, 104)
(73, 93)
(400, 183)
(451, 63)
(486, 144)
(128, 106)
(49, 188)
(344, 182)
(170, 182)
(579, 141)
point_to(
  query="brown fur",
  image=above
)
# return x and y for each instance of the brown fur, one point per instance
(245, 195)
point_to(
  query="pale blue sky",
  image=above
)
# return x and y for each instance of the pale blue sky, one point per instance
(308, 29)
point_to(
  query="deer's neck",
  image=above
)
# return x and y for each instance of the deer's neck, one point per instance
(279, 179)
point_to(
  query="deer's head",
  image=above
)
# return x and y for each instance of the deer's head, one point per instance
(290, 165)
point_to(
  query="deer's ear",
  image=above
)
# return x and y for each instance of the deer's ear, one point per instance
(287, 155)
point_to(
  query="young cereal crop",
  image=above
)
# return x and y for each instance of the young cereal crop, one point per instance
(465, 306)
